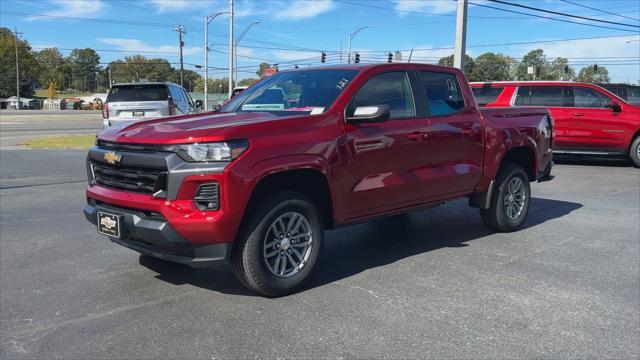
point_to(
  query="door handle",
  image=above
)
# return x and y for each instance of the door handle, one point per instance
(469, 132)
(417, 136)
(578, 114)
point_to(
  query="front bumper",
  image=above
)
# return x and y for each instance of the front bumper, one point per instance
(151, 234)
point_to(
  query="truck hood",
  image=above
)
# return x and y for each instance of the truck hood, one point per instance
(184, 129)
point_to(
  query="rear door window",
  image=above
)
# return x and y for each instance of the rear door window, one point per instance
(540, 96)
(443, 92)
(393, 89)
(585, 97)
(486, 94)
(123, 93)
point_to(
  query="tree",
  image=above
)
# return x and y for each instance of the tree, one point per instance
(247, 82)
(538, 60)
(137, 67)
(559, 69)
(261, 69)
(594, 74)
(469, 63)
(84, 66)
(28, 65)
(52, 66)
(492, 67)
(215, 86)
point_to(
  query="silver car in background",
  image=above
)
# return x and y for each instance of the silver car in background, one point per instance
(132, 102)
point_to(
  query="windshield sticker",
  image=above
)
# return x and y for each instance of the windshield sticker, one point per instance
(256, 107)
(342, 83)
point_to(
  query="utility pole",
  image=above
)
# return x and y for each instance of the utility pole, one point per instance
(180, 30)
(461, 35)
(17, 68)
(109, 70)
(207, 20)
(231, 47)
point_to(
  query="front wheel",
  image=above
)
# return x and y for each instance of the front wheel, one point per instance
(634, 151)
(279, 247)
(510, 200)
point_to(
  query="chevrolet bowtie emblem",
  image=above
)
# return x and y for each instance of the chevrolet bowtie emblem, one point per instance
(112, 157)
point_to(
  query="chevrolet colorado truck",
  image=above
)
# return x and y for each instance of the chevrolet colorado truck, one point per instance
(259, 181)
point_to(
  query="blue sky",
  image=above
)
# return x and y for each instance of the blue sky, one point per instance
(295, 31)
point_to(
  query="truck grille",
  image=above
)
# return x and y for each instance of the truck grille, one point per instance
(132, 179)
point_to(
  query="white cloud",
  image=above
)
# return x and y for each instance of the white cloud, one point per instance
(430, 6)
(304, 9)
(282, 55)
(170, 5)
(139, 45)
(85, 8)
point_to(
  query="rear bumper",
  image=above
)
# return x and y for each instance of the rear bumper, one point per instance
(152, 235)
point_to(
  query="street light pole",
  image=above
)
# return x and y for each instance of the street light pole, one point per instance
(207, 20)
(230, 47)
(351, 36)
(242, 34)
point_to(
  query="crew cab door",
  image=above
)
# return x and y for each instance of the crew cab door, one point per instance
(593, 124)
(454, 149)
(383, 158)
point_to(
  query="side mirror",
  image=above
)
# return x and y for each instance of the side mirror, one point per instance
(370, 114)
(615, 106)
(199, 104)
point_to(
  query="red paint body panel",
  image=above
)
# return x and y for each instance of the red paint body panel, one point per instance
(582, 128)
(452, 156)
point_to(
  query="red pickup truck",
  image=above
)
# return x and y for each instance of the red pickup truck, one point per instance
(588, 120)
(259, 181)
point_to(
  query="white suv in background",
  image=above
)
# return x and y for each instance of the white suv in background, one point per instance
(127, 103)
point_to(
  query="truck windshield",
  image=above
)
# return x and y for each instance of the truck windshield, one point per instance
(137, 93)
(310, 92)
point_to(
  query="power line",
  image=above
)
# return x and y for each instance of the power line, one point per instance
(46, 16)
(600, 10)
(562, 14)
(549, 18)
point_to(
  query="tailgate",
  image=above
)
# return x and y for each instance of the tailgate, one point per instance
(138, 110)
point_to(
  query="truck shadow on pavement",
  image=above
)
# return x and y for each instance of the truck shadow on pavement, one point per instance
(351, 250)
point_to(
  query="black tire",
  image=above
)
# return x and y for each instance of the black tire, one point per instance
(634, 151)
(249, 256)
(497, 216)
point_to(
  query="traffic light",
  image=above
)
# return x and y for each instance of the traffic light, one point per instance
(537, 70)
(390, 57)
(595, 68)
(357, 59)
(323, 58)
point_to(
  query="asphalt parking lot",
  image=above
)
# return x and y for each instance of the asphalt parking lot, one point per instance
(431, 284)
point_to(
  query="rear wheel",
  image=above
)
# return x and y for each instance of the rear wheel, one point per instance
(280, 245)
(634, 151)
(510, 200)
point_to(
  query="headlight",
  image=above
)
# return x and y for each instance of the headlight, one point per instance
(218, 151)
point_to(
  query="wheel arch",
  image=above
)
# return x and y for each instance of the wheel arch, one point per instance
(309, 181)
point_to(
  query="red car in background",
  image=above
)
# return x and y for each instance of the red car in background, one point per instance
(588, 120)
